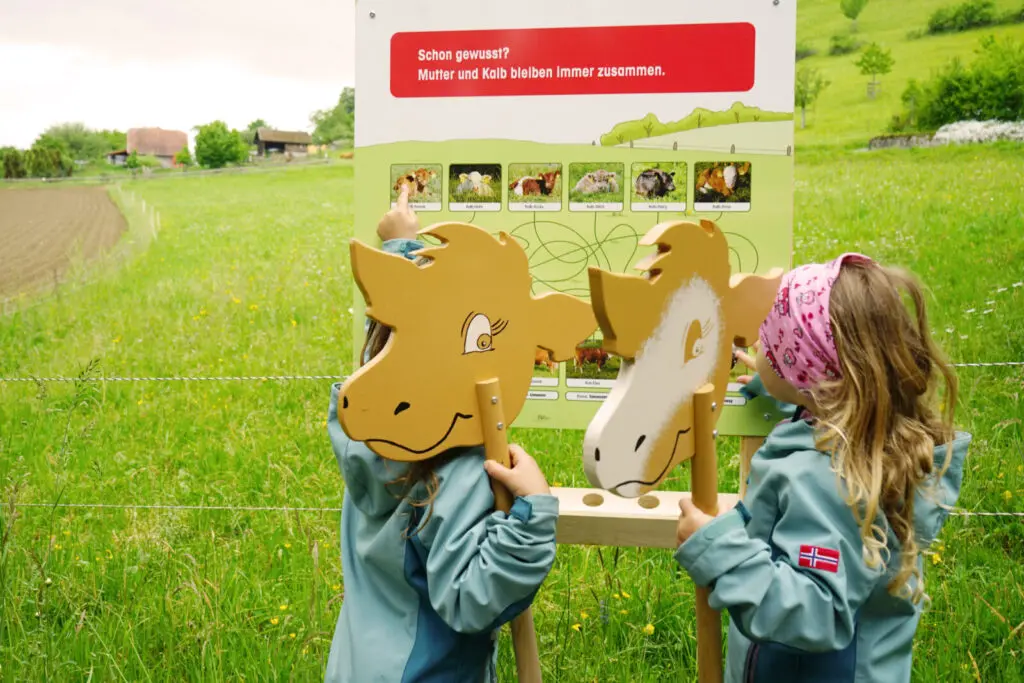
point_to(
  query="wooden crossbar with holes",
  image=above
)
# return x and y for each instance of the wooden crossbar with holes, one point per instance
(596, 517)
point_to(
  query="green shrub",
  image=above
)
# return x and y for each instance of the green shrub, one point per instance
(805, 50)
(964, 17)
(991, 87)
(843, 45)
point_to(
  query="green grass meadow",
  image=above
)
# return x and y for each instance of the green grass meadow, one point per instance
(844, 115)
(249, 276)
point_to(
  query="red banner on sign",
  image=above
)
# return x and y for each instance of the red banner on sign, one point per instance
(684, 58)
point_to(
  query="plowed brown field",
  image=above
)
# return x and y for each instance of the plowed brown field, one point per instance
(42, 230)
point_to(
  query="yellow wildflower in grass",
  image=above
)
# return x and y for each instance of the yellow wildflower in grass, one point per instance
(283, 607)
(291, 635)
(622, 611)
(1007, 496)
(557, 484)
(117, 339)
(287, 545)
(616, 596)
(253, 307)
(56, 546)
(275, 621)
(336, 587)
(649, 630)
(576, 627)
(625, 594)
(235, 300)
(936, 558)
(294, 324)
(584, 615)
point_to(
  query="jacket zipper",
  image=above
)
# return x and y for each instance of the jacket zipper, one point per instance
(751, 662)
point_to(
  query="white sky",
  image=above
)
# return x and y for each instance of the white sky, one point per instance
(170, 63)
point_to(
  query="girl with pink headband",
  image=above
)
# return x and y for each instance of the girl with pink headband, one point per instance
(820, 564)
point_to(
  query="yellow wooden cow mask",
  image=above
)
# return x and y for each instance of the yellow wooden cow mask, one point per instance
(464, 317)
(674, 330)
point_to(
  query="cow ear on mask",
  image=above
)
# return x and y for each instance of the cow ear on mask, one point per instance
(378, 272)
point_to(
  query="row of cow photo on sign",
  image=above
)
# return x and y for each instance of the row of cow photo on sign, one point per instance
(591, 186)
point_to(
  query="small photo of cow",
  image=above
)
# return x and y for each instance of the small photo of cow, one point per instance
(543, 364)
(592, 362)
(423, 181)
(475, 185)
(534, 184)
(721, 182)
(597, 183)
(658, 186)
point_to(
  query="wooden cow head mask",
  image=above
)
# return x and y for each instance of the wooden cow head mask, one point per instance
(674, 330)
(465, 316)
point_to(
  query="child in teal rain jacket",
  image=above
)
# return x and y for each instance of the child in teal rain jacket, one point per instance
(819, 566)
(431, 571)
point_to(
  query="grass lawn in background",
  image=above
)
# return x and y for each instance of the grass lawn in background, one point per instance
(249, 277)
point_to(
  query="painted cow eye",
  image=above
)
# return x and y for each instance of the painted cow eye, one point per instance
(694, 342)
(478, 335)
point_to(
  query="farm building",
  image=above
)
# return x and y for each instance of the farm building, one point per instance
(155, 142)
(269, 141)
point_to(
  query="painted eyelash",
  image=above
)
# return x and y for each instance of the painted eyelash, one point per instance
(498, 327)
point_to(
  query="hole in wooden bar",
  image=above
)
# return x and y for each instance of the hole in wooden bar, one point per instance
(593, 499)
(648, 502)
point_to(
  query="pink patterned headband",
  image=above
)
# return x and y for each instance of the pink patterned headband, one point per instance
(796, 337)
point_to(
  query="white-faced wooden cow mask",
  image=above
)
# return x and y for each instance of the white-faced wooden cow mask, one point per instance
(674, 330)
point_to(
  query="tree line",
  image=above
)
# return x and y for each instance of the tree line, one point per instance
(63, 148)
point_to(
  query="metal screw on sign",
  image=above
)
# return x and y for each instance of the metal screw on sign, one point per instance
(494, 400)
(374, 14)
(775, 3)
(767, 417)
(714, 406)
(501, 425)
(714, 433)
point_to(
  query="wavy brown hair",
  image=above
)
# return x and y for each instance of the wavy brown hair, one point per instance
(884, 418)
(377, 337)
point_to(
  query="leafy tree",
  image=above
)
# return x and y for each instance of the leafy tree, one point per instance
(13, 163)
(217, 145)
(851, 10)
(47, 160)
(183, 158)
(250, 131)
(875, 62)
(809, 84)
(337, 123)
(113, 140)
(82, 143)
(132, 163)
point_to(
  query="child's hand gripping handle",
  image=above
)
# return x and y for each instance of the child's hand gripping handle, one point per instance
(492, 416)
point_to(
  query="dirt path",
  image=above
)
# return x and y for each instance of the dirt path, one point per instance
(43, 230)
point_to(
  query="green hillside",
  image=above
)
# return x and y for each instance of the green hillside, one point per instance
(844, 115)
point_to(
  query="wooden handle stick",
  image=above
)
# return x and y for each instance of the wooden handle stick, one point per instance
(704, 484)
(492, 416)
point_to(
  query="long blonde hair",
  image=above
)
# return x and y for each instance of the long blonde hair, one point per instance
(883, 420)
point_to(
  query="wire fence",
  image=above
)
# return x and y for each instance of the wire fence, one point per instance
(954, 512)
(297, 377)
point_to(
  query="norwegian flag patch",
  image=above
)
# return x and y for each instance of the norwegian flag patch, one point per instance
(815, 557)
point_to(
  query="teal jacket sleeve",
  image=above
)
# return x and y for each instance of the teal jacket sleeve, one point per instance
(484, 567)
(787, 591)
(402, 247)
